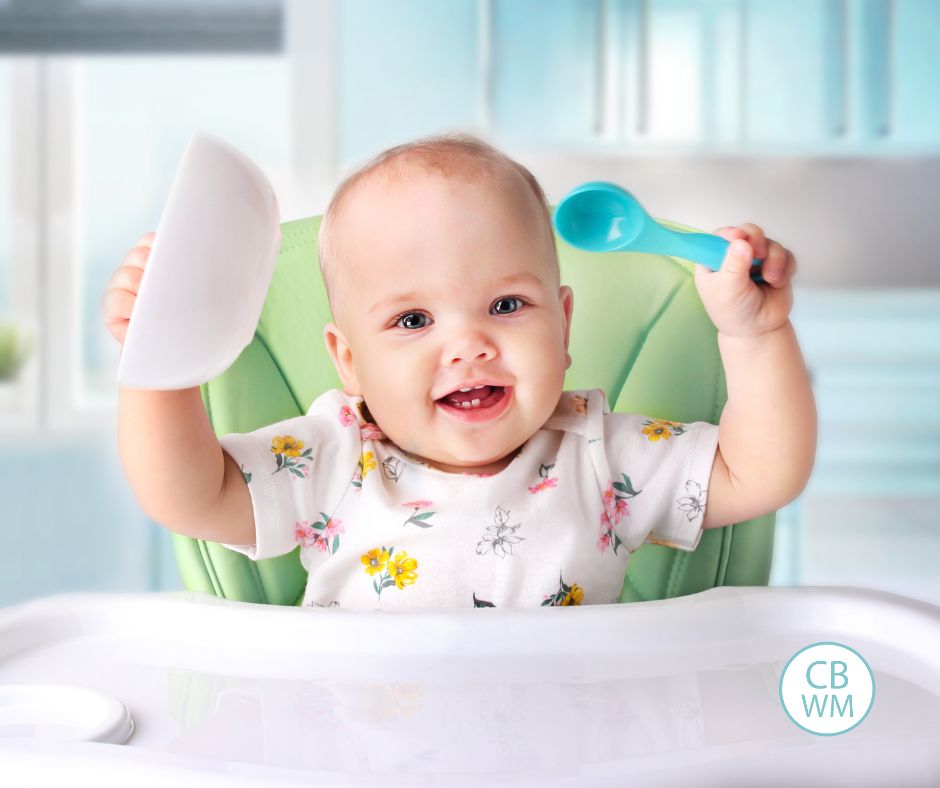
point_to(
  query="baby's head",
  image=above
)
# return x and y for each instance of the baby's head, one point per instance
(440, 264)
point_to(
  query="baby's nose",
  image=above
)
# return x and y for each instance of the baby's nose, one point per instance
(470, 347)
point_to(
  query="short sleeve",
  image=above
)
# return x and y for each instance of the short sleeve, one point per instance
(660, 471)
(297, 471)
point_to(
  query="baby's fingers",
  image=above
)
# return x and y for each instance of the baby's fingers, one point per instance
(780, 266)
(749, 232)
(117, 306)
(138, 256)
(128, 278)
(147, 239)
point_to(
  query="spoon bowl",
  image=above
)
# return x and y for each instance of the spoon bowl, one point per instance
(600, 217)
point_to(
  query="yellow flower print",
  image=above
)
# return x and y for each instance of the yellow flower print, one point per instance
(368, 463)
(288, 453)
(401, 568)
(286, 445)
(375, 560)
(565, 595)
(655, 429)
(579, 403)
(574, 596)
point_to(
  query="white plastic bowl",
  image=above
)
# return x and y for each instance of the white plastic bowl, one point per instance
(208, 272)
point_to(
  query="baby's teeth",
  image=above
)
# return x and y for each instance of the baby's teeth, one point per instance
(474, 403)
(465, 390)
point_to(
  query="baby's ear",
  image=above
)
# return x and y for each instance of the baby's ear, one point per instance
(566, 298)
(338, 347)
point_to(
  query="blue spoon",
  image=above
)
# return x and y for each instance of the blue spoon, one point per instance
(602, 217)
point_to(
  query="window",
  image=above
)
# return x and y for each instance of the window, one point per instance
(133, 117)
(6, 107)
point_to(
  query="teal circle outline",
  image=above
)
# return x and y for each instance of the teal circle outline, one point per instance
(826, 643)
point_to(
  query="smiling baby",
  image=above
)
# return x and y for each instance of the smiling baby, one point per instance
(453, 469)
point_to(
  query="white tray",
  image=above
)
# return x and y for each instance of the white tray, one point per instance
(208, 272)
(682, 691)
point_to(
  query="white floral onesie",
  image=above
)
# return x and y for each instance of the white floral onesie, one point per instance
(380, 530)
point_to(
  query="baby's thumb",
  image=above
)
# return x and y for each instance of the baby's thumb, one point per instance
(738, 259)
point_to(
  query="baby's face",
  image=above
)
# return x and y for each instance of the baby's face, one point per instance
(451, 284)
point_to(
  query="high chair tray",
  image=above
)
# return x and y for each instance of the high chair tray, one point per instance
(675, 692)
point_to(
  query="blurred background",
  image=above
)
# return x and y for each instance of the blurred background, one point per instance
(817, 119)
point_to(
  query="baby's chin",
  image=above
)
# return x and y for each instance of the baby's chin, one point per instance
(469, 462)
(487, 467)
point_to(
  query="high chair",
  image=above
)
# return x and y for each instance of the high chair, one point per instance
(639, 332)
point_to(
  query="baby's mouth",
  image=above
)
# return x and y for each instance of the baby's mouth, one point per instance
(483, 397)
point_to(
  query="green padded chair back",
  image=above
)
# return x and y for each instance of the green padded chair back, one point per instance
(639, 332)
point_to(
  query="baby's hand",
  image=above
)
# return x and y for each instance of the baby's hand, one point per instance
(121, 292)
(736, 305)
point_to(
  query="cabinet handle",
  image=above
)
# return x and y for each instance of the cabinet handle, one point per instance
(600, 68)
(837, 66)
(642, 68)
(485, 65)
(885, 77)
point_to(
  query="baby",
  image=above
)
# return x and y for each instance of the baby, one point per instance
(453, 470)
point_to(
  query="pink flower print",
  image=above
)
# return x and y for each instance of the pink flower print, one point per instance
(621, 509)
(421, 520)
(542, 485)
(304, 534)
(616, 508)
(609, 498)
(545, 481)
(346, 416)
(333, 528)
(328, 530)
(369, 432)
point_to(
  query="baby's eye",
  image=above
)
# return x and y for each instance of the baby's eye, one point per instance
(411, 320)
(506, 306)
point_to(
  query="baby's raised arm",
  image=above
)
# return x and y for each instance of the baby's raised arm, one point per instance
(176, 467)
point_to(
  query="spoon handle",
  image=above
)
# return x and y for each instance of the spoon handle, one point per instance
(704, 248)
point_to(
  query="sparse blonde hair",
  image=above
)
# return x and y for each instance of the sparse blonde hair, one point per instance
(448, 155)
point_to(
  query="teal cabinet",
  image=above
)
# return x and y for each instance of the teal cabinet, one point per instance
(913, 112)
(792, 74)
(405, 69)
(543, 70)
(829, 76)
(861, 76)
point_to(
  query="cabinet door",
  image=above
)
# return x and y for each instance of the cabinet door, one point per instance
(544, 69)
(407, 69)
(913, 111)
(793, 71)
